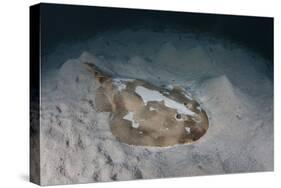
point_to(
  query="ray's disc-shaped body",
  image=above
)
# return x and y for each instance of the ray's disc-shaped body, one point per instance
(147, 115)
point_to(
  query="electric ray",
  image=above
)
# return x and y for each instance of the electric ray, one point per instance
(147, 115)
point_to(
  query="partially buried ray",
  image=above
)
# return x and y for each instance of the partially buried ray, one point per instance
(147, 115)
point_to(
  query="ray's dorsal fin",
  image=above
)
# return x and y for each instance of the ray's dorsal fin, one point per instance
(98, 73)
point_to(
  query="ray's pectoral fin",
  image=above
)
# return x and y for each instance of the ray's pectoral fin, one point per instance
(102, 102)
(99, 74)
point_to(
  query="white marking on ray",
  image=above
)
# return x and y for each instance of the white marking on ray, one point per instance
(187, 129)
(152, 109)
(130, 117)
(152, 95)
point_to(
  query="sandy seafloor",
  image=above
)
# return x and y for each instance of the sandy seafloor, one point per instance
(233, 84)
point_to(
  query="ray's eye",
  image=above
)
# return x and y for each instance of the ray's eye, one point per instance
(178, 116)
(185, 103)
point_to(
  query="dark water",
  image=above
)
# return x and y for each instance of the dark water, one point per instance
(61, 23)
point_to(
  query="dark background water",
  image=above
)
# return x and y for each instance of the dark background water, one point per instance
(60, 23)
